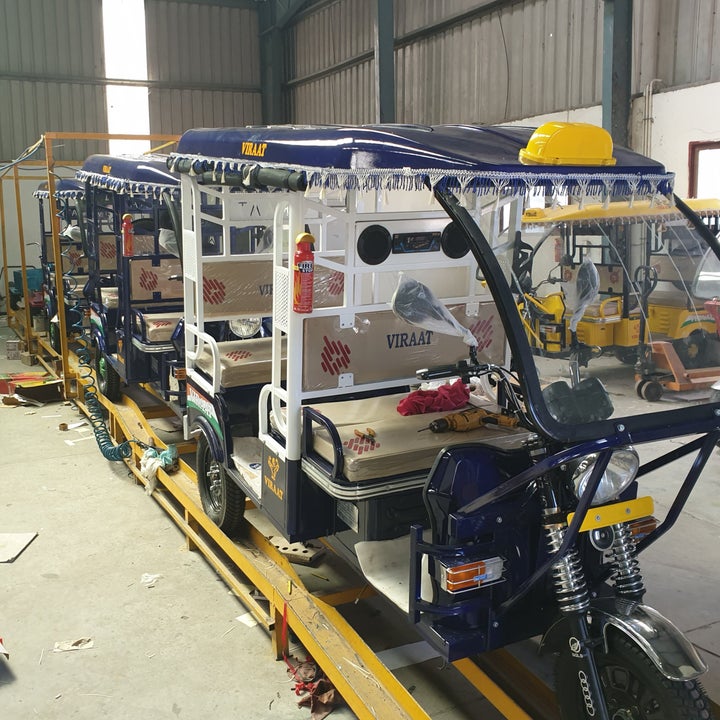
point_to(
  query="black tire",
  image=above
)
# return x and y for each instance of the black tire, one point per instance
(652, 391)
(639, 385)
(54, 335)
(108, 380)
(222, 500)
(695, 347)
(634, 688)
(627, 355)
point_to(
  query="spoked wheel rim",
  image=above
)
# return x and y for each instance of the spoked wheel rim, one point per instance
(215, 485)
(222, 499)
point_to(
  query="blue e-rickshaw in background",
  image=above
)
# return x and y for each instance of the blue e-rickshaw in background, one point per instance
(69, 201)
(135, 274)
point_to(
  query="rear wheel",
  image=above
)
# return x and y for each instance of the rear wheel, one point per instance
(627, 355)
(54, 335)
(222, 500)
(108, 379)
(634, 689)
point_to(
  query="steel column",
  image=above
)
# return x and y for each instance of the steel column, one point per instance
(385, 61)
(617, 69)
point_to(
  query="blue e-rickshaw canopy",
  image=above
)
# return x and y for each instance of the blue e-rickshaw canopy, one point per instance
(145, 175)
(468, 158)
(65, 188)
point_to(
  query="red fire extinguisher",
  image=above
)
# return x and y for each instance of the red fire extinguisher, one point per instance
(303, 273)
(127, 235)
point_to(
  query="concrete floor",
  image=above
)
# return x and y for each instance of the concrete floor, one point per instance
(177, 650)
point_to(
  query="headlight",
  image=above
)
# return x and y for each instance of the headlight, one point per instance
(620, 472)
(246, 327)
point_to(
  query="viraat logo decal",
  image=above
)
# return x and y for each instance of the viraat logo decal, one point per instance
(335, 356)
(395, 341)
(148, 280)
(361, 445)
(213, 291)
(483, 332)
(336, 283)
(254, 149)
(107, 249)
(204, 407)
(237, 355)
(271, 479)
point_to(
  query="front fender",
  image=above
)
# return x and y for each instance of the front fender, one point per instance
(670, 651)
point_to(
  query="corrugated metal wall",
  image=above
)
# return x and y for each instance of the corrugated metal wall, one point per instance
(203, 65)
(679, 42)
(51, 68)
(464, 61)
(456, 61)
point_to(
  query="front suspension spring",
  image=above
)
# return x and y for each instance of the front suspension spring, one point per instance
(570, 586)
(626, 568)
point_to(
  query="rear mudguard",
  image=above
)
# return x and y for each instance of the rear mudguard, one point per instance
(670, 651)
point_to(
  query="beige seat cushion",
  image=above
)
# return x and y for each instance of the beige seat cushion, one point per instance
(242, 362)
(159, 327)
(399, 447)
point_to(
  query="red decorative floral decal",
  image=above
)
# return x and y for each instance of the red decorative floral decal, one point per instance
(213, 291)
(361, 445)
(148, 280)
(483, 332)
(107, 250)
(237, 355)
(335, 356)
(336, 283)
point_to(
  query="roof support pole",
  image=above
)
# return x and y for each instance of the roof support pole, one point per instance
(617, 69)
(385, 61)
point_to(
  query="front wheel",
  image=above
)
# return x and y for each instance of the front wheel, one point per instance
(633, 687)
(222, 500)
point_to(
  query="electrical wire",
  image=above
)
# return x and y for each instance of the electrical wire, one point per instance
(24, 155)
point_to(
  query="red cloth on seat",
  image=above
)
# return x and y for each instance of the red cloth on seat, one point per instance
(446, 397)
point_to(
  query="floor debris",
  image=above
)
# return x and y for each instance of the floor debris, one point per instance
(84, 643)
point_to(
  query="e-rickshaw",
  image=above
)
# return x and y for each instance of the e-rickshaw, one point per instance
(69, 200)
(399, 410)
(642, 308)
(135, 283)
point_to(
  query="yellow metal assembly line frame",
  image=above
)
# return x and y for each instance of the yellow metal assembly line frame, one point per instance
(253, 565)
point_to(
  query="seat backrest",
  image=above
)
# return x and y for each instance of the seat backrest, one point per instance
(150, 279)
(381, 347)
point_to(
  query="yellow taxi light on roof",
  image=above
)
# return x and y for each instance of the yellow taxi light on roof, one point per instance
(561, 143)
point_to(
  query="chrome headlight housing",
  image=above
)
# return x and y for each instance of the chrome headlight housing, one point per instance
(245, 328)
(620, 472)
